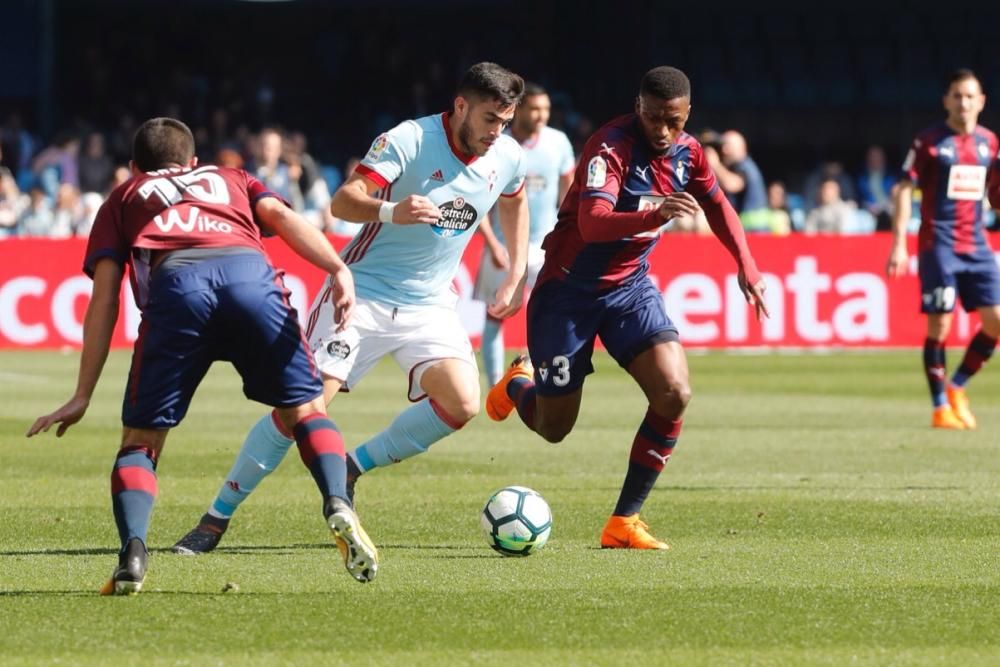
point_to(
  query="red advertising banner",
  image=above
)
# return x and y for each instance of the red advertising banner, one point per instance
(823, 291)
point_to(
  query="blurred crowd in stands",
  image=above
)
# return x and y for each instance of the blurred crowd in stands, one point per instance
(54, 189)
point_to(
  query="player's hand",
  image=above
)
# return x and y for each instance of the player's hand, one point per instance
(342, 297)
(678, 204)
(498, 255)
(754, 294)
(416, 210)
(66, 416)
(507, 301)
(899, 258)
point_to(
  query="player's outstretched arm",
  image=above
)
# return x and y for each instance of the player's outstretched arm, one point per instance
(513, 211)
(98, 326)
(899, 257)
(726, 226)
(354, 202)
(311, 245)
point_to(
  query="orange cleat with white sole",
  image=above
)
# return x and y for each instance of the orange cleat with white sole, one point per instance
(945, 417)
(629, 532)
(498, 404)
(959, 403)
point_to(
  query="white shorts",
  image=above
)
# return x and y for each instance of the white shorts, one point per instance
(415, 336)
(489, 278)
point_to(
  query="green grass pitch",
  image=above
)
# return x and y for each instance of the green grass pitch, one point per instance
(815, 518)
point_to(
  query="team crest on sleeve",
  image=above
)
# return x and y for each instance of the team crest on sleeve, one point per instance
(378, 147)
(597, 172)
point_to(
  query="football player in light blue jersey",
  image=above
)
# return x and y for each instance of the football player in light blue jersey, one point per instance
(421, 191)
(549, 163)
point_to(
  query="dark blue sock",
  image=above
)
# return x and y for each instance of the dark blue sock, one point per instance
(322, 450)
(651, 449)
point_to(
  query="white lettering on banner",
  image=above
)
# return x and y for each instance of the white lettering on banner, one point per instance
(11, 325)
(865, 317)
(693, 294)
(806, 283)
(738, 310)
(63, 310)
(862, 317)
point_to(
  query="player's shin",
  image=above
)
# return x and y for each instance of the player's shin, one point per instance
(934, 368)
(651, 449)
(412, 432)
(264, 448)
(522, 392)
(322, 450)
(133, 491)
(980, 350)
(492, 346)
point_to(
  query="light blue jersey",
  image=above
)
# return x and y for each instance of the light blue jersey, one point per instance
(404, 265)
(546, 157)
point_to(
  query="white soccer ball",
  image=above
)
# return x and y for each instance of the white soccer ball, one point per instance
(516, 521)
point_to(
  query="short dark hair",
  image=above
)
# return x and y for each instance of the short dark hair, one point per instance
(491, 81)
(531, 89)
(666, 83)
(160, 142)
(960, 75)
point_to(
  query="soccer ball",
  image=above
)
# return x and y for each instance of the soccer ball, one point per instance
(516, 521)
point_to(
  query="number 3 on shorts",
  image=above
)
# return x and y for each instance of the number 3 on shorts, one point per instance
(561, 366)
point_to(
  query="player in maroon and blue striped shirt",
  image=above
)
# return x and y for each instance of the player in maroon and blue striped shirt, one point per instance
(635, 174)
(952, 163)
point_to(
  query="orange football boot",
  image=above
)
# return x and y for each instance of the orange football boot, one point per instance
(945, 417)
(498, 404)
(959, 403)
(629, 532)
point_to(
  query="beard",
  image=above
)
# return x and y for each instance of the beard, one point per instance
(465, 139)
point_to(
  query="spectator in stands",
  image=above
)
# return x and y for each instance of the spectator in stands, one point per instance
(779, 219)
(18, 147)
(68, 214)
(827, 170)
(741, 180)
(875, 185)
(833, 215)
(57, 164)
(12, 203)
(275, 171)
(315, 194)
(95, 165)
(38, 219)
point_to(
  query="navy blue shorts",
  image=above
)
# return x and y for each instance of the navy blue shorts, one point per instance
(945, 275)
(564, 322)
(231, 308)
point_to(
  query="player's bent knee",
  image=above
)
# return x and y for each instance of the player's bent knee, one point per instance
(553, 433)
(673, 400)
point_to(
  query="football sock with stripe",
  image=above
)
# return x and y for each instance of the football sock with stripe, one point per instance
(322, 450)
(492, 349)
(522, 391)
(133, 491)
(978, 353)
(264, 448)
(410, 433)
(651, 449)
(934, 367)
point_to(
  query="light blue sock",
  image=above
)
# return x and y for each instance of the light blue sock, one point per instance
(491, 345)
(262, 451)
(410, 433)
